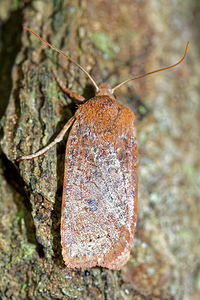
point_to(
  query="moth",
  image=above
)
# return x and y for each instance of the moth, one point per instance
(100, 189)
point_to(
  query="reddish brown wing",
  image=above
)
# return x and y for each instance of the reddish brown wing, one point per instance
(100, 186)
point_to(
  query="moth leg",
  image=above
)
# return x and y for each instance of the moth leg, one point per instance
(57, 140)
(65, 89)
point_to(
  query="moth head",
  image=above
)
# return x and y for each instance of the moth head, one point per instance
(105, 90)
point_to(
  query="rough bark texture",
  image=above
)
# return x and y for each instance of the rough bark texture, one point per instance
(112, 40)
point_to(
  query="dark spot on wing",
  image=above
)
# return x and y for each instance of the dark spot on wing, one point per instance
(93, 205)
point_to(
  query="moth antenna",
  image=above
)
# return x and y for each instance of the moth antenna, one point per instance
(155, 71)
(59, 51)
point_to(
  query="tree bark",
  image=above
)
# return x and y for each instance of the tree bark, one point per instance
(112, 40)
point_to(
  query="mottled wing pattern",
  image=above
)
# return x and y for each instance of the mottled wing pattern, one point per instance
(100, 186)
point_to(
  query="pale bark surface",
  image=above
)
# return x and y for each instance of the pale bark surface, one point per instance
(113, 40)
